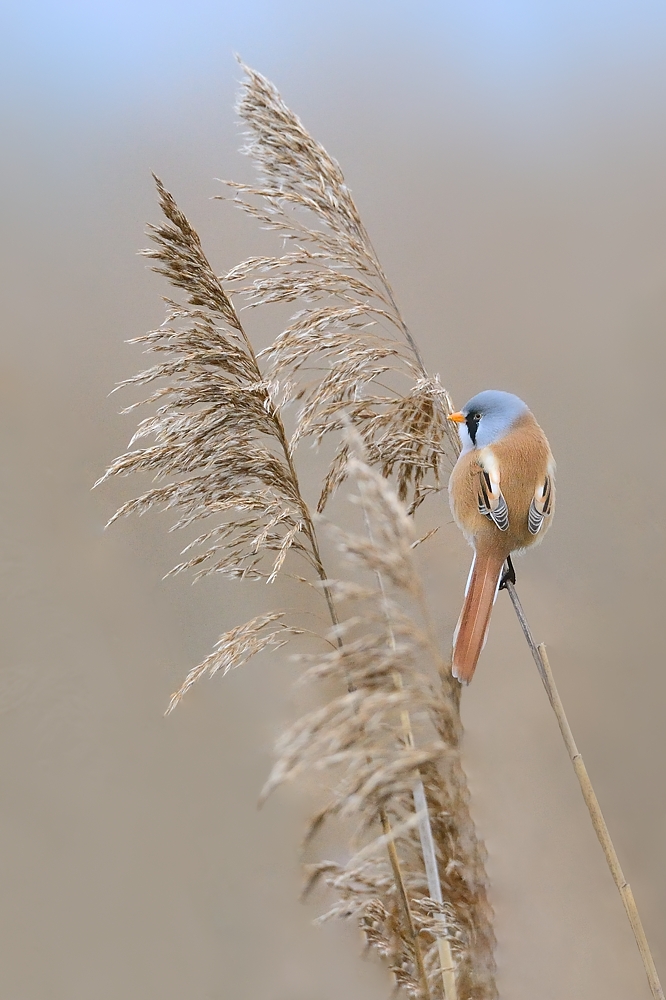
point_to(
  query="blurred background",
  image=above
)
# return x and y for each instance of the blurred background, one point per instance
(509, 161)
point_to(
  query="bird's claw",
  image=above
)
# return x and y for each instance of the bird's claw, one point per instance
(509, 574)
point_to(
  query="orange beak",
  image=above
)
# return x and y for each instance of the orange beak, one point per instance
(458, 418)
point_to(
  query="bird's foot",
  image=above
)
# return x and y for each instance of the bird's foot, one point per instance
(509, 574)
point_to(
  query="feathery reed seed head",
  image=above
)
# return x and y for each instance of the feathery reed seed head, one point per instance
(219, 452)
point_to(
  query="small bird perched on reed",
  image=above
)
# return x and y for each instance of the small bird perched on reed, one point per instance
(502, 495)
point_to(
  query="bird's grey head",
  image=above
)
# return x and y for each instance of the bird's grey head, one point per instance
(487, 417)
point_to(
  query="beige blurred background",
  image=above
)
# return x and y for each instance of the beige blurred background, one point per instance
(509, 160)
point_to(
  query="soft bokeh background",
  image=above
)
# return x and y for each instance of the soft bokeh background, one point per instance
(509, 160)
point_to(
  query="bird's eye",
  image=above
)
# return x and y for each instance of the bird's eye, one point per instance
(476, 418)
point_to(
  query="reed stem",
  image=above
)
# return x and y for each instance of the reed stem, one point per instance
(591, 801)
(446, 960)
(404, 901)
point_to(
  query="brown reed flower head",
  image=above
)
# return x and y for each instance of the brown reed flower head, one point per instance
(218, 439)
(349, 327)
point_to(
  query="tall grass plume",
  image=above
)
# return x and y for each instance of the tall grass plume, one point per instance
(217, 445)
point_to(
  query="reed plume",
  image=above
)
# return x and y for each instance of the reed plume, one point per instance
(348, 326)
(220, 453)
(393, 727)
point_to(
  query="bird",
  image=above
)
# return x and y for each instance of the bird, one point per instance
(502, 496)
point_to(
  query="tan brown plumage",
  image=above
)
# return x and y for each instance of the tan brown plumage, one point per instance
(502, 497)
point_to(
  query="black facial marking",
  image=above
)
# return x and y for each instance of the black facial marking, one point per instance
(472, 421)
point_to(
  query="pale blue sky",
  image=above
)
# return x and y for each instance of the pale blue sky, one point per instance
(112, 49)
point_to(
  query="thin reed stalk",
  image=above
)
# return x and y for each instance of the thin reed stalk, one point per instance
(598, 822)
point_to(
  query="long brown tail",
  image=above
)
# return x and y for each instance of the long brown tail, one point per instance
(470, 634)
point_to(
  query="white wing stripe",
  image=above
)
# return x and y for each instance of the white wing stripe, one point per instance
(534, 519)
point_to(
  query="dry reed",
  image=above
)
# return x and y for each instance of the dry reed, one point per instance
(596, 816)
(220, 453)
(390, 736)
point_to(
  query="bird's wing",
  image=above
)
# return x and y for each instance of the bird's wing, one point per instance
(491, 501)
(541, 506)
